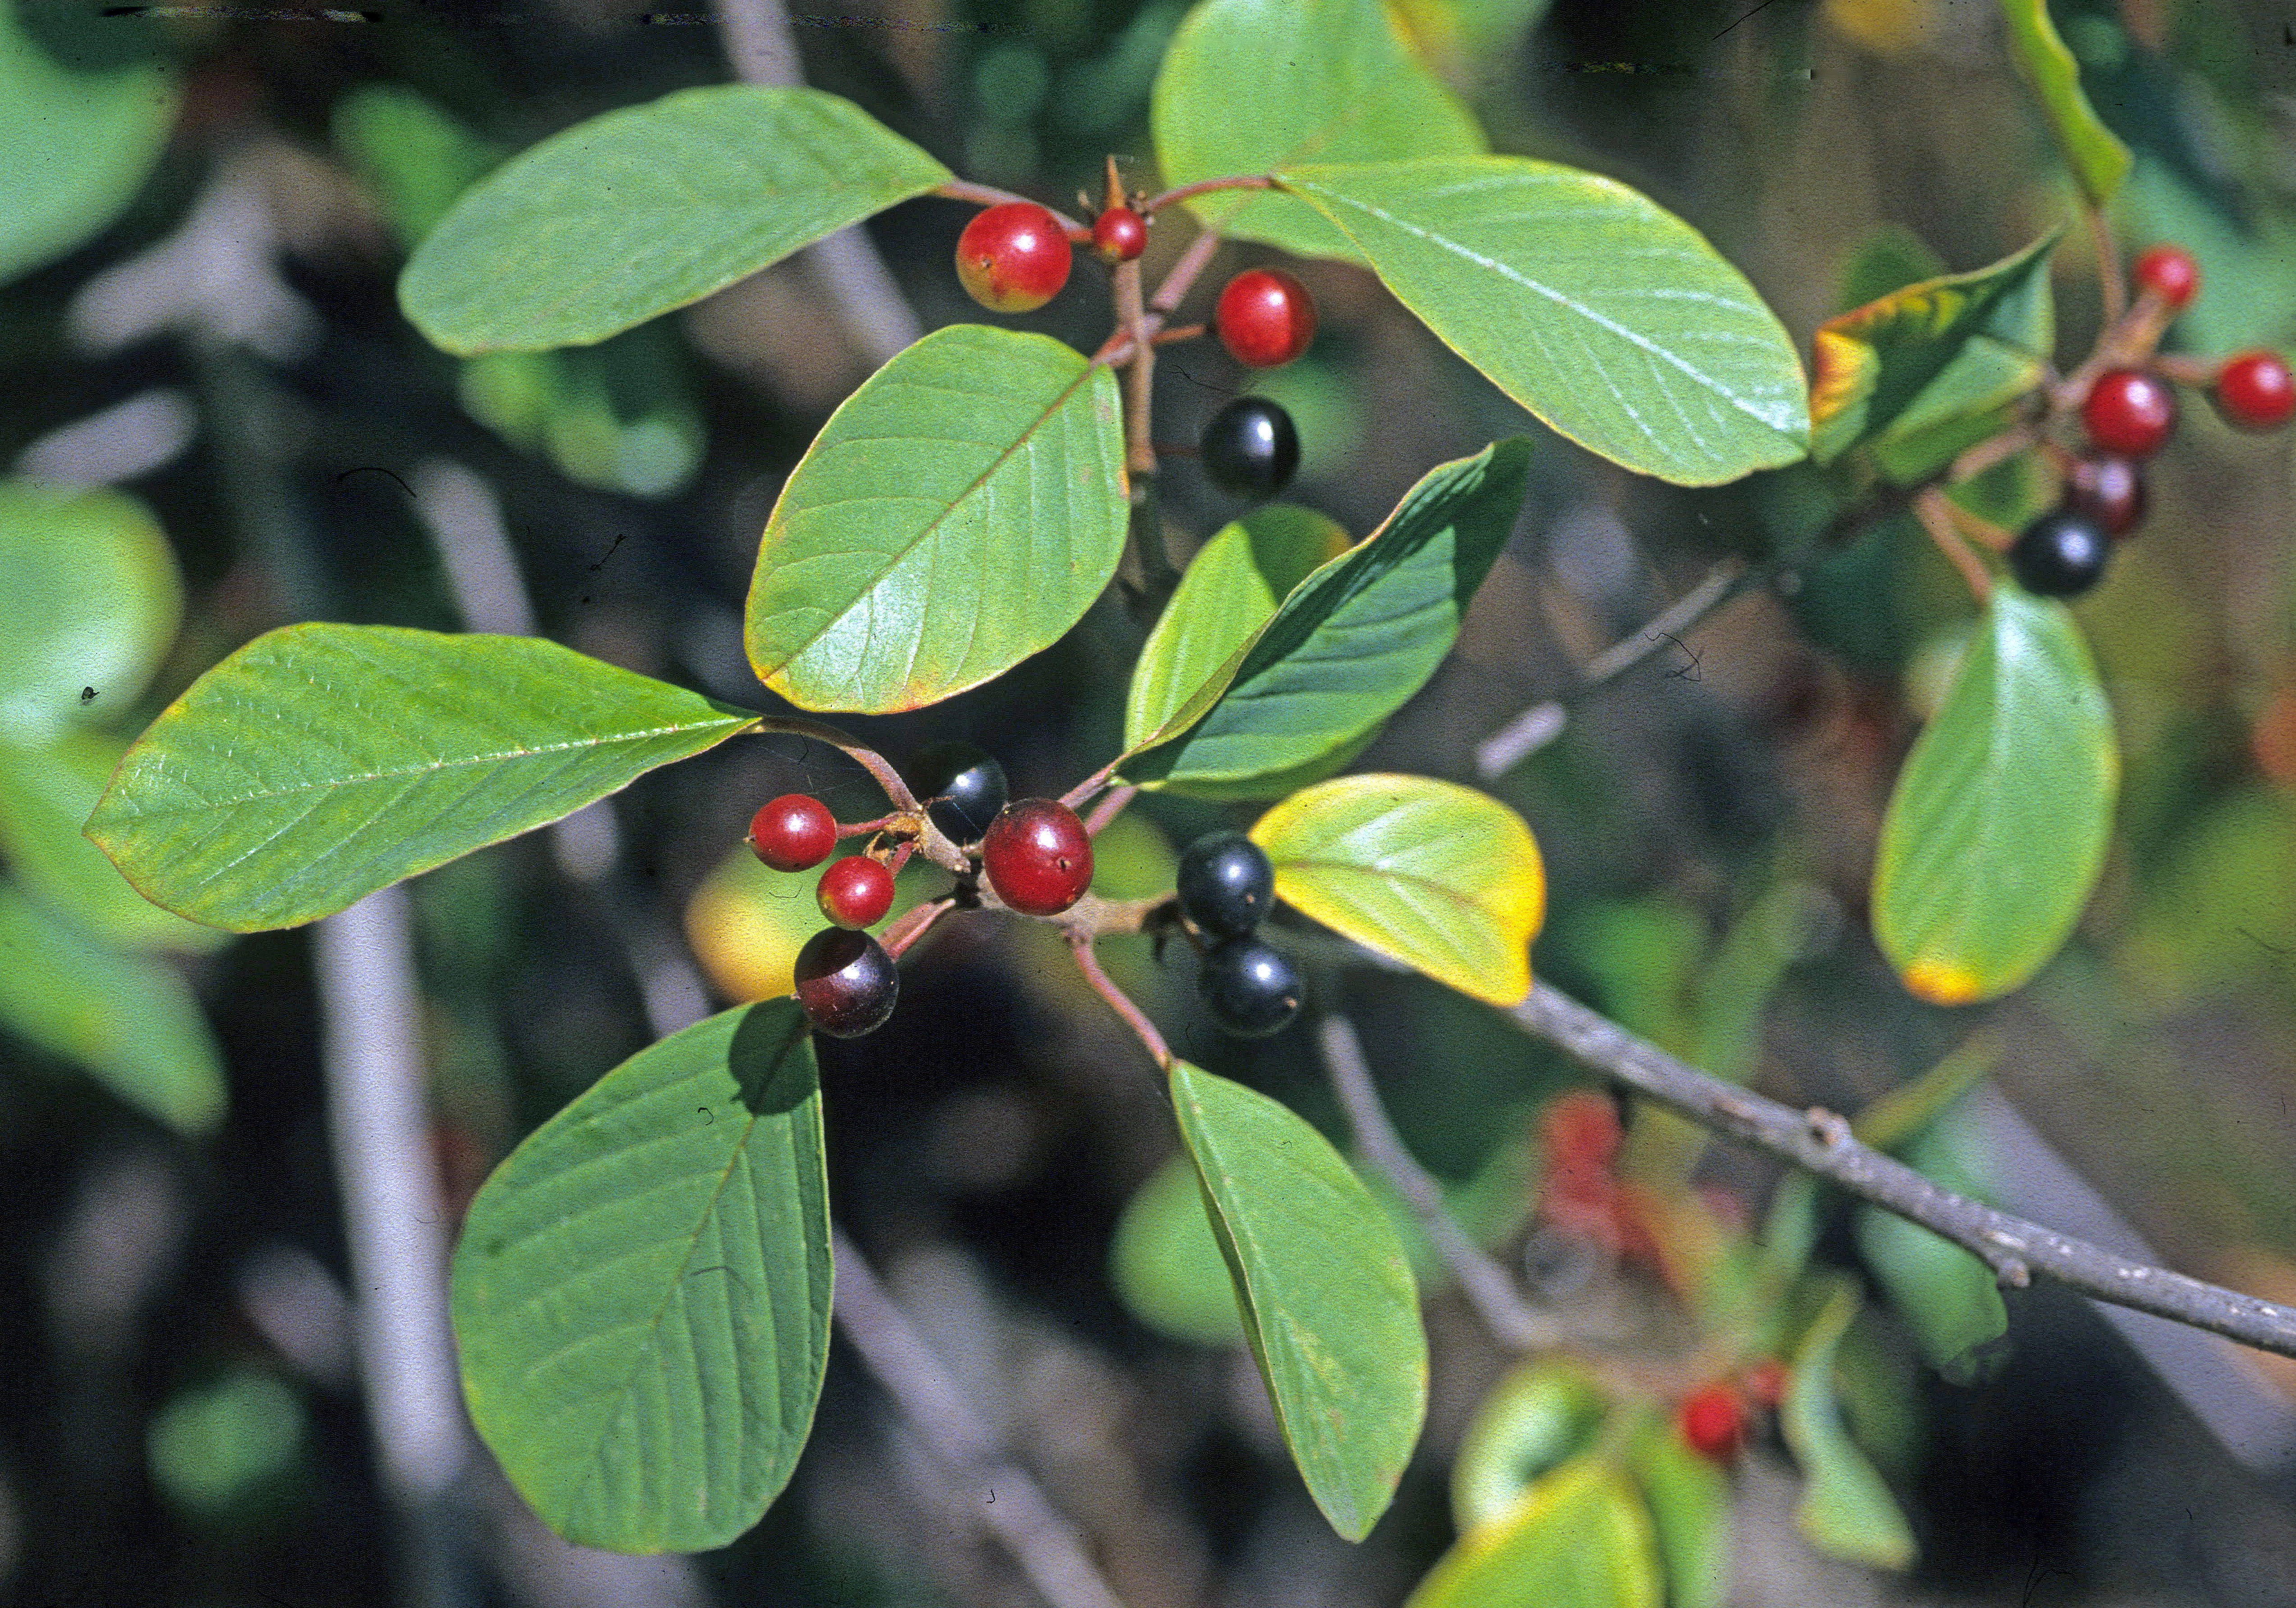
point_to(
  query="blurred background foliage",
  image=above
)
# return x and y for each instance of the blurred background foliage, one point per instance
(214, 421)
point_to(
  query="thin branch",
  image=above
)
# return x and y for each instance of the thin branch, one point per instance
(1203, 186)
(1485, 1284)
(1120, 1001)
(1821, 1143)
(1935, 512)
(914, 925)
(1046, 1545)
(989, 195)
(1109, 809)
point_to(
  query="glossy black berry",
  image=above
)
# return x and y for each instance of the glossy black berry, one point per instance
(1250, 987)
(2059, 554)
(846, 983)
(1226, 885)
(1249, 448)
(962, 787)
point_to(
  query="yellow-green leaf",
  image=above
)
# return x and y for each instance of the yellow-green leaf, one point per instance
(1578, 1538)
(2098, 159)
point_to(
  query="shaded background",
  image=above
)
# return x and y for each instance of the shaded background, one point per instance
(185, 1422)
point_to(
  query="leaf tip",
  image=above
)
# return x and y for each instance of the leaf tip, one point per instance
(1942, 982)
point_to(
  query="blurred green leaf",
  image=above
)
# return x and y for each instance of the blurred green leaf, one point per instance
(1907, 1111)
(1328, 1302)
(1948, 1297)
(1888, 258)
(618, 416)
(214, 1449)
(127, 1021)
(89, 600)
(320, 762)
(2098, 160)
(642, 1290)
(959, 512)
(1604, 313)
(1845, 1509)
(638, 212)
(1997, 827)
(417, 158)
(1578, 1538)
(1690, 1506)
(1544, 1413)
(1249, 86)
(1441, 877)
(1166, 1263)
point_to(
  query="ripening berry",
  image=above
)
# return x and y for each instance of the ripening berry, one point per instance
(2254, 391)
(1014, 259)
(2130, 413)
(846, 983)
(856, 891)
(1265, 318)
(793, 832)
(2169, 273)
(1119, 234)
(2109, 490)
(1037, 856)
(1713, 1421)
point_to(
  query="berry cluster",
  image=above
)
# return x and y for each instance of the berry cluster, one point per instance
(845, 980)
(2128, 414)
(1227, 888)
(1717, 1418)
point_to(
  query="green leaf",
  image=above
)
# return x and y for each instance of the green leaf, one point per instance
(1690, 1506)
(620, 416)
(1888, 258)
(1907, 1111)
(1539, 1416)
(1249, 86)
(1601, 312)
(1328, 1301)
(129, 1020)
(1166, 1263)
(1996, 831)
(1351, 644)
(1439, 876)
(1948, 1297)
(320, 762)
(2098, 160)
(1578, 1538)
(1231, 589)
(1933, 353)
(642, 1291)
(958, 513)
(636, 213)
(1845, 1509)
(74, 147)
(417, 159)
(221, 1452)
(88, 599)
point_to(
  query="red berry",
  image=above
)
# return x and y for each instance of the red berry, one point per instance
(1767, 1382)
(2169, 273)
(1713, 1421)
(1037, 855)
(2130, 412)
(1014, 259)
(1120, 235)
(1265, 318)
(795, 833)
(856, 891)
(2254, 390)
(1579, 1132)
(2109, 490)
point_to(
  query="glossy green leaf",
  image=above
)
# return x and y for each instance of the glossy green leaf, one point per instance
(1249, 86)
(127, 1021)
(1578, 1538)
(1351, 644)
(640, 211)
(1845, 1509)
(1539, 1416)
(1439, 876)
(1932, 353)
(959, 512)
(320, 762)
(2098, 160)
(1604, 313)
(642, 1291)
(74, 147)
(46, 794)
(1328, 1302)
(89, 600)
(1997, 828)
(1166, 1263)
(1948, 1297)
(1690, 1507)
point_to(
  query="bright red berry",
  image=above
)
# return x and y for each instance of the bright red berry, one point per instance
(2254, 390)
(2169, 273)
(1120, 235)
(1713, 1421)
(1037, 855)
(856, 891)
(2130, 412)
(1265, 318)
(2107, 489)
(795, 833)
(1014, 259)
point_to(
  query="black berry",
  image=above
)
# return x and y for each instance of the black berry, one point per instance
(1226, 885)
(2059, 554)
(964, 788)
(1251, 448)
(846, 983)
(1250, 987)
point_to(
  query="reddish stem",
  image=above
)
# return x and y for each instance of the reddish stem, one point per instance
(915, 924)
(989, 195)
(1937, 519)
(1204, 186)
(1120, 1002)
(1109, 809)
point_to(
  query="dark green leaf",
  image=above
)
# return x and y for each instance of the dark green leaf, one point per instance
(320, 762)
(642, 1292)
(2098, 159)
(88, 599)
(1578, 1538)
(1948, 1297)
(1845, 1510)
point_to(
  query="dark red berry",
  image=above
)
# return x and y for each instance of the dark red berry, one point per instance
(1766, 1382)
(795, 833)
(2254, 391)
(1014, 259)
(856, 891)
(1120, 235)
(2169, 273)
(2109, 490)
(1250, 987)
(1713, 1421)
(1037, 855)
(846, 983)
(2059, 554)
(2130, 412)
(1249, 448)
(1265, 318)
(1226, 886)
(962, 788)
